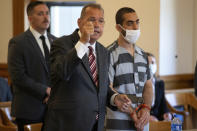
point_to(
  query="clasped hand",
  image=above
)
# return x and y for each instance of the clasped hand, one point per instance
(141, 118)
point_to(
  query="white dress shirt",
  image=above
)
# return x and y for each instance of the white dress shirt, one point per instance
(37, 35)
(83, 49)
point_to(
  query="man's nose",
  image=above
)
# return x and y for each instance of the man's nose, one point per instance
(135, 26)
(96, 23)
(46, 15)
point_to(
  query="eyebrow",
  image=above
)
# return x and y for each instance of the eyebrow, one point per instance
(133, 21)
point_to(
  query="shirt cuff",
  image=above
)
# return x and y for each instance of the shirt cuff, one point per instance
(112, 99)
(81, 49)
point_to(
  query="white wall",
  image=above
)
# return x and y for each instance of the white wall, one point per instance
(5, 28)
(176, 36)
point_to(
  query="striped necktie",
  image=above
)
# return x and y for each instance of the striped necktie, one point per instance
(92, 63)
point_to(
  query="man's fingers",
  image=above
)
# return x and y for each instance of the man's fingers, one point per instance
(86, 31)
(143, 120)
(89, 28)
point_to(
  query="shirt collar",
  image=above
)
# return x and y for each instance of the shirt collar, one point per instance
(88, 44)
(36, 33)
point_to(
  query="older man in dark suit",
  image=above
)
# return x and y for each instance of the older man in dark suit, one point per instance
(28, 66)
(79, 76)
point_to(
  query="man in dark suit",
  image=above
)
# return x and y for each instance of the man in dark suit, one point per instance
(28, 66)
(80, 89)
(5, 91)
(195, 80)
(159, 109)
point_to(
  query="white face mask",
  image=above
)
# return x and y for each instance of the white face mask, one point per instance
(131, 35)
(153, 68)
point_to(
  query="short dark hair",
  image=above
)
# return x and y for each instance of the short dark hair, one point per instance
(150, 54)
(91, 5)
(120, 13)
(33, 4)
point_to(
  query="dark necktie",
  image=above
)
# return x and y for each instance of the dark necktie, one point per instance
(92, 63)
(46, 50)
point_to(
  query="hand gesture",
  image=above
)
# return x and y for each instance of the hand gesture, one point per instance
(86, 30)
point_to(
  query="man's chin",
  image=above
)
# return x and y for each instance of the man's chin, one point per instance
(46, 26)
(95, 37)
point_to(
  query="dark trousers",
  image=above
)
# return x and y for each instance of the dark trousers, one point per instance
(22, 122)
(95, 127)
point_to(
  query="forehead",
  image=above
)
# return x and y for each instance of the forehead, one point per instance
(130, 17)
(93, 12)
(40, 7)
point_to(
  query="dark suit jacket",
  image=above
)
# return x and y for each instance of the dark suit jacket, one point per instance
(5, 91)
(160, 106)
(195, 80)
(29, 75)
(75, 100)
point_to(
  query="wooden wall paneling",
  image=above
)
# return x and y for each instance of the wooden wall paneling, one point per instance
(4, 71)
(18, 16)
(181, 81)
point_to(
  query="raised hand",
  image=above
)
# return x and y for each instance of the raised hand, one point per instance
(86, 30)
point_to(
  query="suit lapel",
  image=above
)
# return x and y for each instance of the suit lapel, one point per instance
(34, 43)
(87, 67)
(100, 69)
(50, 38)
(100, 64)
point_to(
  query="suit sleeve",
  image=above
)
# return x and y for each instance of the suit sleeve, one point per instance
(63, 60)
(163, 105)
(17, 70)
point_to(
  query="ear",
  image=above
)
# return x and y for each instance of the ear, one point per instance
(79, 22)
(30, 19)
(118, 28)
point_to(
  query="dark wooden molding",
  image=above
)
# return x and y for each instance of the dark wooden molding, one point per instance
(180, 77)
(178, 81)
(4, 71)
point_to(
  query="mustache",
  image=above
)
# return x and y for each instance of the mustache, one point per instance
(46, 21)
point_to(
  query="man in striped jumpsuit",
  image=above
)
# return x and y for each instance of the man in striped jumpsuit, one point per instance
(129, 74)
